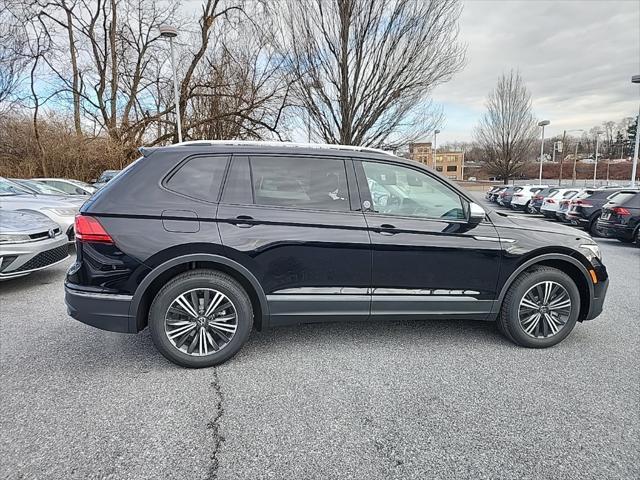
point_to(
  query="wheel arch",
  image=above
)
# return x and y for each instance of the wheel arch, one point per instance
(565, 263)
(153, 281)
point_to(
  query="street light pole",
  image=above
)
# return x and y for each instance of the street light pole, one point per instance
(634, 166)
(542, 124)
(435, 147)
(170, 32)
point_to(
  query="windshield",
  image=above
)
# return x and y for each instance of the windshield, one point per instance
(40, 188)
(8, 187)
(108, 175)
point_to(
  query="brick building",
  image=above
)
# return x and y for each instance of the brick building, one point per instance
(449, 163)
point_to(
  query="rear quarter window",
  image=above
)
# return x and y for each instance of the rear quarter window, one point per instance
(199, 177)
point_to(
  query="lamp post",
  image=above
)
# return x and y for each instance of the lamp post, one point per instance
(595, 165)
(435, 147)
(542, 124)
(170, 32)
(634, 166)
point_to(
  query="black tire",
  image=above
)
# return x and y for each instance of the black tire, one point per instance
(594, 231)
(526, 207)
(509, 318)
(204, 279)
(636, 237)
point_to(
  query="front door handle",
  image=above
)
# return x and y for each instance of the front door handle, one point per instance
(387, 227)
(243, 225)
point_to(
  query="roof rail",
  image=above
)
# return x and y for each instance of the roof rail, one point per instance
(251, 143)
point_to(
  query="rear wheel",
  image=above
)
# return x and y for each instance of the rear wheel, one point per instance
(636, 237)
(540, 308)
(594, 230)
(200, 318)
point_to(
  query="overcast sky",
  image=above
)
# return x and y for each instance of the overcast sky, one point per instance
(576, 56)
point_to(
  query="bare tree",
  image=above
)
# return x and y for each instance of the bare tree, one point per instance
(13, 56)
(363, 69)
(507, 130)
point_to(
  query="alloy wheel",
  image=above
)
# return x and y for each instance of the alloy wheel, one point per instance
(201, 321)
(544, 309)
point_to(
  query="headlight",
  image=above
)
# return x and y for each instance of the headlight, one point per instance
(8, 238)
(593, 248)
(63, 212)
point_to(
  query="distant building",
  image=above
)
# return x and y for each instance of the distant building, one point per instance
(447, 162)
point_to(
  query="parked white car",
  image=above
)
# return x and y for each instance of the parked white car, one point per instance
(551, 204)
(523, 195)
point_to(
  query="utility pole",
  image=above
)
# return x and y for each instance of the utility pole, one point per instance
(170, 32)
(542, 124)
(564, 135)
(634, 166)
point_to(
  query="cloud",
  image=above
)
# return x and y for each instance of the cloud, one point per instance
(576, 57)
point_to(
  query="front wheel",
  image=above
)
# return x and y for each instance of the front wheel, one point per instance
(540, 308)
(200, 318)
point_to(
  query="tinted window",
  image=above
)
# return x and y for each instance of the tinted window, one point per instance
(318, 183)
(397, 190)
(622, 197)
(237, 188)
(64, 186)
(199, 177)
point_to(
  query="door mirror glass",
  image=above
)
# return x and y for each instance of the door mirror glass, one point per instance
(476, 213)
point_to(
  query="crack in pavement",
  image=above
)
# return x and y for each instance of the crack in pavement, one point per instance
(214, 425)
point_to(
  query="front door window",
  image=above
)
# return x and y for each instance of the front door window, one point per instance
(403, 191)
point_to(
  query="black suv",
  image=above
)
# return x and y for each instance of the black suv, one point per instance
(202, 241)
(586, 207)
(620, 217)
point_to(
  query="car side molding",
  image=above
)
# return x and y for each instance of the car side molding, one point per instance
(199, 257)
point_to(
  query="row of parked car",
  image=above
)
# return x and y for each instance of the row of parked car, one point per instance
(37, 220)
(606, 211)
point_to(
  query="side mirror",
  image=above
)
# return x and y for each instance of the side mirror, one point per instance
(476, 213)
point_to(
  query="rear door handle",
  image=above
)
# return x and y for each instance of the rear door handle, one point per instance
(241, 224)
(386, 229)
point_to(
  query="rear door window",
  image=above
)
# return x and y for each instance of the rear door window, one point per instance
(301, 182)
(199, 177)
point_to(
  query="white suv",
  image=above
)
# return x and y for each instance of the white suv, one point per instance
(551, 204)
(523, 195)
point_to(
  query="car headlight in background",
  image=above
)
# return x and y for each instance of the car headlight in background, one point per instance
(63, 212)
(9, 238)
(593, 248)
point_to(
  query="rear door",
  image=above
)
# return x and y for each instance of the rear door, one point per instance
(428, 261)
(294, 221)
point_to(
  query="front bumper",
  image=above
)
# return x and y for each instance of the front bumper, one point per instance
(597, 302)
(101, 310)
(19, 259)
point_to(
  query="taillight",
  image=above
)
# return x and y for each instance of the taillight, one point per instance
(582, 203)
(538, 197)
(621, 211)
(550, 200)
(88, 229)
(517, 195)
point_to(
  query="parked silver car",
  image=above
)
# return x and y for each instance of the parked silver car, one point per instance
(62, 212)
(38, 188)
(70, 186)
(29, 241)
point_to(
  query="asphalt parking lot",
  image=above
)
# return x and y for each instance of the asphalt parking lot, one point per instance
(397, 399)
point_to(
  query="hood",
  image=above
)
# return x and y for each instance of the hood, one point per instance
(505, 220)
(24, 222)
(35, 202)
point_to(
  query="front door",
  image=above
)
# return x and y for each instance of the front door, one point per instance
(294, 222)
(428, 260)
